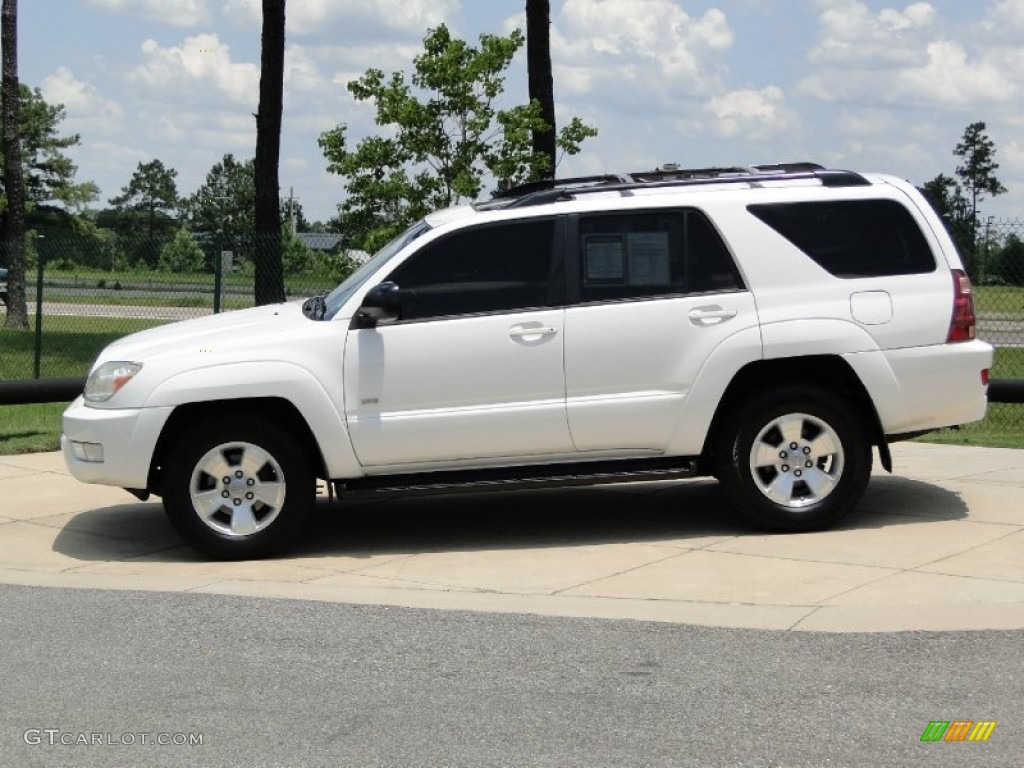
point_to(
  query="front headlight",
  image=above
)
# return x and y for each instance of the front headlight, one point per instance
(106, 380)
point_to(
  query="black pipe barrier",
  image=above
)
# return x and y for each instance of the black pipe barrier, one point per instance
(21, 391)
(1006, 391)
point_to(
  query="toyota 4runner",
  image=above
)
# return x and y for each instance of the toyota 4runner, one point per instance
(767, 325)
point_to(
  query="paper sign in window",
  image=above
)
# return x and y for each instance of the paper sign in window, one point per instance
(605, 258)
(649, 258)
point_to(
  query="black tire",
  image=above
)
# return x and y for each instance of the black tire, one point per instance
(257, 505)
(805, 488)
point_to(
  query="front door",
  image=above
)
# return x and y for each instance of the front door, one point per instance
(472, 373)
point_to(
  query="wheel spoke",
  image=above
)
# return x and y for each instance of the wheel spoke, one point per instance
(791, 427)
(271, 494)
(242, 521)
(207, 503)
(824, 445)
(254, 459)
(767, 455)
(780, 490)
(820, 482)
(216, 466)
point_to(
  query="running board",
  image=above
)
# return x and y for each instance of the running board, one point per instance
(517, 478)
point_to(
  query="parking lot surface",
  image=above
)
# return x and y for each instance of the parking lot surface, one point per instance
(939, 545)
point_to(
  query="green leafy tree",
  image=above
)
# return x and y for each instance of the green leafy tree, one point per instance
(446, 134)
(182, 253)
(296, 256)
(226, 199)
(48, 173)
(152, 195)
(977, 167)
(1009, 262)
(947, 197)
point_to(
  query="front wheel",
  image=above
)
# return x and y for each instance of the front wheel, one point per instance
(238, 489)
(794, 460)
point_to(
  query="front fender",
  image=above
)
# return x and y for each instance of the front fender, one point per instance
(242, 380)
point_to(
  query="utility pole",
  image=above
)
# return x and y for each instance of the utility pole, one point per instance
(291, 208)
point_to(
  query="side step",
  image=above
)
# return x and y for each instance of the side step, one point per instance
(517, 478)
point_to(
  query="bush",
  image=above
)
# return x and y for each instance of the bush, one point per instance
(181, 254)
(1009, 262)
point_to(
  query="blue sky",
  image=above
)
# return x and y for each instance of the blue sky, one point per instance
(858, 84)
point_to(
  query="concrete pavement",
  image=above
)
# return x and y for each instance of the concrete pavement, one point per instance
(937, 546)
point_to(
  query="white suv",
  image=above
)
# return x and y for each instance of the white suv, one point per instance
(764, 325)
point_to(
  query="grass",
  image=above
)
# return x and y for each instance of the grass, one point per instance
(30, 428)
(1003, 427)
(70, 344)
(1003, 300)
(180, 282)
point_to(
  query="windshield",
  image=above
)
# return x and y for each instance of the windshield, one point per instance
(337, 298)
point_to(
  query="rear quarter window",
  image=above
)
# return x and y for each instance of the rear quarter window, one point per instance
(852, 238)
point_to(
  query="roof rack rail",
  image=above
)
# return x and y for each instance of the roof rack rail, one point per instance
(564, 189)
(545, 184)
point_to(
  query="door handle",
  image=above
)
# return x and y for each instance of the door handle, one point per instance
(711, 315)
(525, 333)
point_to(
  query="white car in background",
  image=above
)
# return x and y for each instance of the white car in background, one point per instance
(766, 325)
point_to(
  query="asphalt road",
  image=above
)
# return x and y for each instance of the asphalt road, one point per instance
(289, 683)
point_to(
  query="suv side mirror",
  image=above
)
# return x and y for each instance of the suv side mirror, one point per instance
(380, 304)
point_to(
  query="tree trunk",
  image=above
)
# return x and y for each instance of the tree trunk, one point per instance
(13, 234)
(538, 60)
(269, 272)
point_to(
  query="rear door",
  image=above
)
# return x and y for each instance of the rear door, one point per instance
(652, 294)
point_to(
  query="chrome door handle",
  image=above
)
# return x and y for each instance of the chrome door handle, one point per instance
(711, 316)
(524, 333)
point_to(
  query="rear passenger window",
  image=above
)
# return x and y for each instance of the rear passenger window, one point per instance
(853, 238)
(652, 253)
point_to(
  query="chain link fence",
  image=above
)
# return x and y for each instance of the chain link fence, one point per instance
(84, 292)
(98, 287)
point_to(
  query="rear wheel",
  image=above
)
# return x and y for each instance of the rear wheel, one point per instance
(238, 489)
(794, 460)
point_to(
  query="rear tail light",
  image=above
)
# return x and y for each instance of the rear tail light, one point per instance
(961, 327)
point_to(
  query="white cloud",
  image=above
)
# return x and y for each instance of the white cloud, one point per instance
(952, 79)
(904, 58)
(1006, 15)
(87, 111)
(750, 114)
(177, 13)
(329, 18)
(200, 63)
(637, 48)
(301, 72)
(850, 32)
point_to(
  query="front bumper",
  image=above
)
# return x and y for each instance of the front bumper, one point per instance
(111, 446)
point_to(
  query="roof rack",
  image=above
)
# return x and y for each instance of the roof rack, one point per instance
(551, 190)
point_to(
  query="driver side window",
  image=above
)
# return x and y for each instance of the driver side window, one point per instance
(492, 268)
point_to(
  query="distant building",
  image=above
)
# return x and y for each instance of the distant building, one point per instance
(321, 241)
